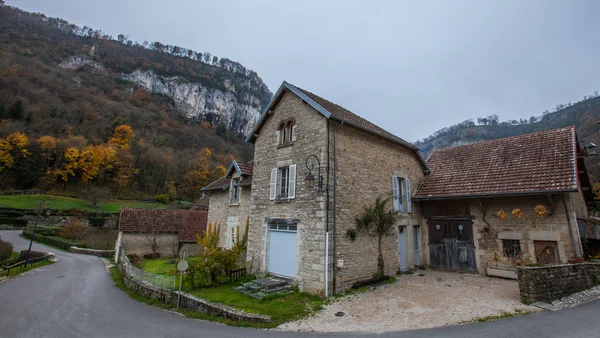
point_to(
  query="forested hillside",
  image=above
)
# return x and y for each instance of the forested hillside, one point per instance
(584, 115)
(76, 113)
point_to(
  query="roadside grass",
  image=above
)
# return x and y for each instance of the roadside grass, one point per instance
(517, 313)
(46, 244)
(65, 203)
(280, 308)
(17, 271)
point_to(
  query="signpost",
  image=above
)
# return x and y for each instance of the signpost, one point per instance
(181, 266)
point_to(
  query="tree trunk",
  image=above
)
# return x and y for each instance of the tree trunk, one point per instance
(380, 266)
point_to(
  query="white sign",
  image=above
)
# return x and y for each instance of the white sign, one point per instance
(182, 266)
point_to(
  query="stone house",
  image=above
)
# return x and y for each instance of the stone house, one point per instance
(490, 206)
(168, 230)
(316, 166)
(229, 198)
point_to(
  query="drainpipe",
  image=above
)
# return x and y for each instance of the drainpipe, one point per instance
(327, 219)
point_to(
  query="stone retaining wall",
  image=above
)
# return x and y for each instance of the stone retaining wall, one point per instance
(93, 252)
(548, 283)
(190, 302)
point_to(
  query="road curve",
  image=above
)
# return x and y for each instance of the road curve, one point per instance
(75, 297)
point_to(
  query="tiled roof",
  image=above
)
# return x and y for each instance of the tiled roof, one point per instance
(346, 115)
(526, 164)
(202, 203)
(221, 183)
(186, 223)
(246, 168)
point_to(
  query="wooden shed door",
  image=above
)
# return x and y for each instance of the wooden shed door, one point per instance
(451, 245)
(546, 252)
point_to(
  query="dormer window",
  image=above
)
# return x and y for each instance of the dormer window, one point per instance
(235, 190)
(286, 131)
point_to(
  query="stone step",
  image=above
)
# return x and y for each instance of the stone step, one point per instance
(270, 283)
(278, 289)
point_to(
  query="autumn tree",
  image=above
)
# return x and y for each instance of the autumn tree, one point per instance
(12, 146)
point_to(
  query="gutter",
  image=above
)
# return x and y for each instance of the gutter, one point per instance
(538, 192)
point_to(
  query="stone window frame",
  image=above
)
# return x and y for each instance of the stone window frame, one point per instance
(286, 132)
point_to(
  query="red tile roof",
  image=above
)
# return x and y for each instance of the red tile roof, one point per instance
(526, 164)
(246, 168)
(220, 183)
(186, 223)
(223, 182)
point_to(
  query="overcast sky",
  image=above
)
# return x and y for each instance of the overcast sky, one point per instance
(410, 67)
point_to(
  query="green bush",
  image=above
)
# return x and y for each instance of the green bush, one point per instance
(58, 242)
(162, 198)
(48, 231)
(6, 249)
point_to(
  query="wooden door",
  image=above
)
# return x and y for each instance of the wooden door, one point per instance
(417, 244)
(402, 249)
(546, 252)
(451, 244)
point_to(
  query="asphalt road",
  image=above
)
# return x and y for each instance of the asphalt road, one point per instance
(75, 297)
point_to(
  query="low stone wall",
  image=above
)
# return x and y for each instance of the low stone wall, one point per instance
(93, 252)
(190, 302)
(548, 283)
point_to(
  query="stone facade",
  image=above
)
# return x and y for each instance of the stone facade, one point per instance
(229, 214)
(138, 243)
(307, 209)
(489, 230)
(365, 166)
(549, 283)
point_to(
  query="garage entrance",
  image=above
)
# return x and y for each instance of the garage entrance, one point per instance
(282, 250)
(451, 244)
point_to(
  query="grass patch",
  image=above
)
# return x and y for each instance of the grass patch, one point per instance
(17, 271)
(280, 308)
(517, 313)
(119, 282)
(65, 203)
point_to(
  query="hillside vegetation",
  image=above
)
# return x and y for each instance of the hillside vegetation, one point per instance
(70, 122)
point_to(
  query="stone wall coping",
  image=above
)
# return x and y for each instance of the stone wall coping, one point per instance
(557, 265)
(92, 252)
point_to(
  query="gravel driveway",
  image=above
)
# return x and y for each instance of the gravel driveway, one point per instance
(415, 302)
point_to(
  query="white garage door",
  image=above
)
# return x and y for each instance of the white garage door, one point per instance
(282, 250)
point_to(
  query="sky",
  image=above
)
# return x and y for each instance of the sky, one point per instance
(412, 67)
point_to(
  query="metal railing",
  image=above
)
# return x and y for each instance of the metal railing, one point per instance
(21, 264)
(132, 271)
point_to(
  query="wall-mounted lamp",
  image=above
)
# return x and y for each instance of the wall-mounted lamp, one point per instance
(310, 180)
(587, 147)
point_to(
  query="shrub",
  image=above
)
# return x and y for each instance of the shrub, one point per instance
(152, 256)
(135, 260)
(48, 231)
(6, 249)
(162, 198)
(74, 230)
(58, 242)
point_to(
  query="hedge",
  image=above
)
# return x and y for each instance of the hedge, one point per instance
(58, 242)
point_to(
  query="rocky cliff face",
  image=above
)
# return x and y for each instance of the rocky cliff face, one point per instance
(239, 112)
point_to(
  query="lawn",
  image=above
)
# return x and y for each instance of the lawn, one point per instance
(64, 203)
(280, 308)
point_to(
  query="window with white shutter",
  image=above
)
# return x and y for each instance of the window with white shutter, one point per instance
(395, 193)
(408, 196)
(273, 192)
(400, 196)
(292, 181)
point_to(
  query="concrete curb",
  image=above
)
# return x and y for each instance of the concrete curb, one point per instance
(92, 252)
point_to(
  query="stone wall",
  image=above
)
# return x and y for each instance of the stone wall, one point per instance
(138, 243)
(190, 302)
(529, 228)
(92, 252)
(549, 283)
(365, 166)
(308, 208)
(225, 213)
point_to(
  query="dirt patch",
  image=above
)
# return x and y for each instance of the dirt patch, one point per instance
(415, 302)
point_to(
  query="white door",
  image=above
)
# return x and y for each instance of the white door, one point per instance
(402, 248)
(417, 244)
(282, 250)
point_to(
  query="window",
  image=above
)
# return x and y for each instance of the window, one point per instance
(401, 194)
(235, 190)
(286, 131)
(232, 236)
(283, 183)
(511, 248)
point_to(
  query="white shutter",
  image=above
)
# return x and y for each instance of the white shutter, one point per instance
(292, 187)
(273, 192)
(408, 196)
(395, 193)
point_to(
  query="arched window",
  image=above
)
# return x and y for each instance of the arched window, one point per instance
(286, 129)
